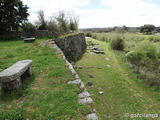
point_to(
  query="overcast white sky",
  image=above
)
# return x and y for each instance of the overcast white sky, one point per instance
(101, 13)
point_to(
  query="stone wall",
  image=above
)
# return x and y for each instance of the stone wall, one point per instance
(72, 45)
(37, 34)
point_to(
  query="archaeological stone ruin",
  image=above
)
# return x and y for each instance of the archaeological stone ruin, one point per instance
(73, 46)
(94, 49)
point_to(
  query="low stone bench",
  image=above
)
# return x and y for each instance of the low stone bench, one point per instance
(29, 40)
(13, 77)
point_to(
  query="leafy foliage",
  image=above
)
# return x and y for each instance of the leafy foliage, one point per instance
(118, 43)
(12, 13)
(28, 27)
(147, 29)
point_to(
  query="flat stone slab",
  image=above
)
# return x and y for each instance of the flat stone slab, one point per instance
(84, 94)
(109, 66)
(107, 59)
(77, 81)
(92, 116)
(87, 100)
(15, 71)
(29, 39)
(82, 86)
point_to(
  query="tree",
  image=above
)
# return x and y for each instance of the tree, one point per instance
(28, 27)
(62, 22)
(52, 25)
(12, 14)
(73, 25)
(147, 29)
(42, 22)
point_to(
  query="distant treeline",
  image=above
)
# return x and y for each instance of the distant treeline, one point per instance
(147, 29)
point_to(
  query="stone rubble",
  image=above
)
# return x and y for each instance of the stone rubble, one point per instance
(89, 83)
(84, 96)
(86, 100)
(100, 92)
(92, 116)
(93, 49)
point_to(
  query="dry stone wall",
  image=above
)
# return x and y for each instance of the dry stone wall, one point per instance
(73, 46)
(36, 34)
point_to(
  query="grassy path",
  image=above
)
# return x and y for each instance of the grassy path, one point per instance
(123, 93)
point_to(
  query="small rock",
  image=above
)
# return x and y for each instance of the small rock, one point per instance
(84, 94)
(92, 116)
(99, 88)
(107, 59)
(85, 100)
(89, 83)
(77, 76)
(100, 92)
(82, 86)
(109, 66)
(78, 81)
(90, 76)
(94, 110)
(52, 42)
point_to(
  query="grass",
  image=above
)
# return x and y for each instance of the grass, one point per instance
(142, 48)
(123, 92)
(46, 95)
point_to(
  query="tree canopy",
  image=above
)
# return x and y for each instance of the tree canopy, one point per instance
(147, 29)
(12, 14)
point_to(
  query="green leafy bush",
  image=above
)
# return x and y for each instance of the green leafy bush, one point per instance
(88, 34)
(147, 29)
(118, 43)
(143, 54)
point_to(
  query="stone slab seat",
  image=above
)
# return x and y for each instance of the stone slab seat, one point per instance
(29, 39)
(11, 78)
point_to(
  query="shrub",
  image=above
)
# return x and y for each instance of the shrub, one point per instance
(144, 54)
(88, 34)
(147, 29)
(95, 36)
(118, 43)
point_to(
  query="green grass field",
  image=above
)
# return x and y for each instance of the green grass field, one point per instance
(46, 95)
(123, 92)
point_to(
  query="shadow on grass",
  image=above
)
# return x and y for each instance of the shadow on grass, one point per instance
(16, 94)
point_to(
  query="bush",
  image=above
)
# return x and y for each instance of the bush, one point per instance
(88, 34)
(118, 43)
(147, 29)
(144, 54)
(145, 61)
